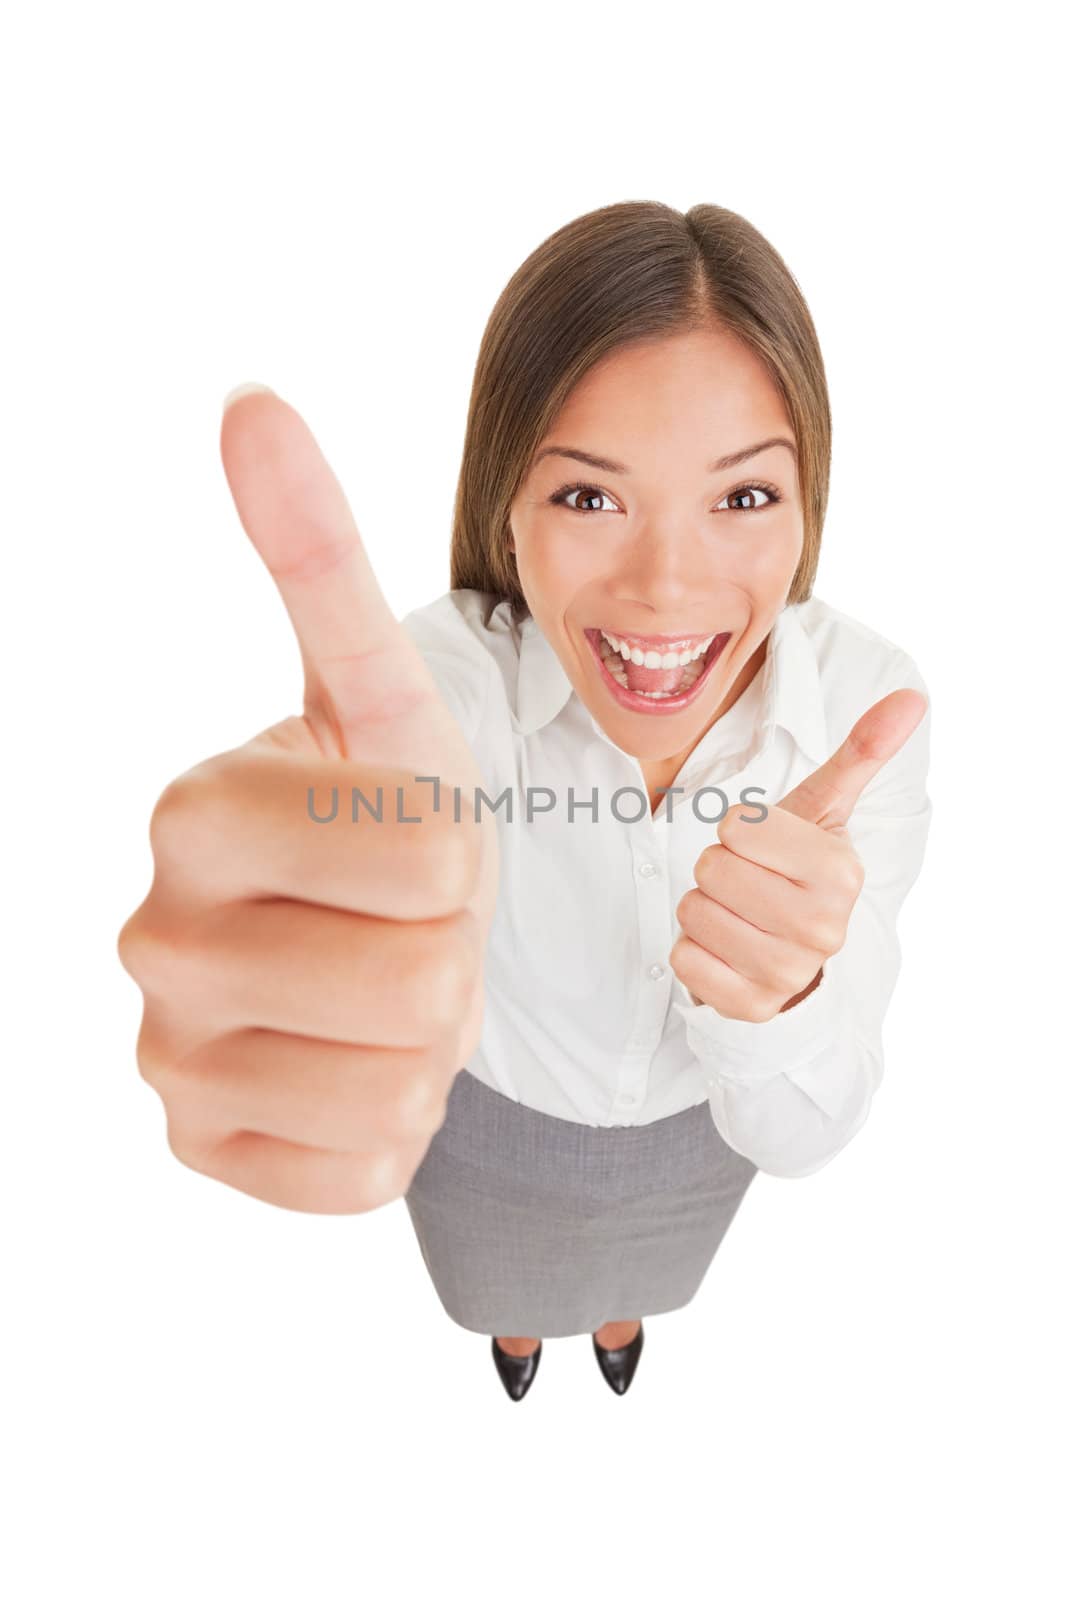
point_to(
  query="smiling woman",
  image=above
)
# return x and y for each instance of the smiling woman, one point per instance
(636, 533)
(627, 276)
(569, 1036)
(706, 417)
(680, 554)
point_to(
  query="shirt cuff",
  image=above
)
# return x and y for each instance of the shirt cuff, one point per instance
(752, 1052)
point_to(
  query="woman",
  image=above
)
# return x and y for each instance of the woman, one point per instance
(664, 955)
(644, 478)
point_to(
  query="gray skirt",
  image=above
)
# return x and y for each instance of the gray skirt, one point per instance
(533, 1226)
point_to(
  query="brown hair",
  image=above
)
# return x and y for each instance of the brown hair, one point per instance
(629, 271)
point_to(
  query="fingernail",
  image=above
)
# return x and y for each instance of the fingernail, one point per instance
(244, 388)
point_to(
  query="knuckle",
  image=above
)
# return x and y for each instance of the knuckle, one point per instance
(153, 1067)
(707, 867)
(180, 1080)
(456, 860)
(139, 948)
(406, 1162)
(731, 824)
(442, 978)
(128, 943)
(687, 906)
(826, 935)
(418, 1107)
(734, 1010)
(158, 958)
(171, 824)
(381, 1180)
(790, 982)
(746, 1003)
(356, 1184)
(849, 864)
(797, 980)
(755, 1005)
(323, 1182)
(791, 972)
(681, 960)
(191, 1152)
(182, 820)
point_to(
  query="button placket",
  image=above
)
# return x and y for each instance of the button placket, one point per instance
(652, 922)
(655, 931)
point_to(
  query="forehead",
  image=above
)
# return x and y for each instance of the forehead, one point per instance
(708, 381)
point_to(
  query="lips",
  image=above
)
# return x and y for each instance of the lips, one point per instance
(631, 700)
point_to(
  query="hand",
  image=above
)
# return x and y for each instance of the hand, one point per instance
(774, 898)
(310, 989)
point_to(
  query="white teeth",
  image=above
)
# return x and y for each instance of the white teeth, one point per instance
(653, 658)
(617, 672)
(616, 652)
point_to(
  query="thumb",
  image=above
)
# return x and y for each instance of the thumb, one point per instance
(829, 794)
(359, 662)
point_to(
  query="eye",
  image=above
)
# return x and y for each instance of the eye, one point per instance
(771, 496)
(560, 498)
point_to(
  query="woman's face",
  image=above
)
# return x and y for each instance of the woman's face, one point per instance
(667, 546)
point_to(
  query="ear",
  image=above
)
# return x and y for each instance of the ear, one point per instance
(511, 540)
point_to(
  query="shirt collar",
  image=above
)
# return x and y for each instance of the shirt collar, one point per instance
(791, 698)
(792, 692)
(542, 687)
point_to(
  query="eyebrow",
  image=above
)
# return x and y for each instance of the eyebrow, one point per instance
(603, 465)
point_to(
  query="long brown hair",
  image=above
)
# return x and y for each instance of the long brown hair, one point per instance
(625, 272)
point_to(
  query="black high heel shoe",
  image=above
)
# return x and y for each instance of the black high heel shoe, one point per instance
(516, 1372)
(619, 1366)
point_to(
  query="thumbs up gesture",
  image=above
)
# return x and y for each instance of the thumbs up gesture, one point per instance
(774, 897)
(311, 987)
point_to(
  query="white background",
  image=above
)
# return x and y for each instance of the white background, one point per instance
(210, 1396)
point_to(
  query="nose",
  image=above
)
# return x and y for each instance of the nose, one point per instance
(659, 570)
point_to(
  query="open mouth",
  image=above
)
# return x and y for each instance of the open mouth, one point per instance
(654, 681)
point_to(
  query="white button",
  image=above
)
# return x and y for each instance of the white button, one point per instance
(656, 971)
(648, 870)
(627, 1099)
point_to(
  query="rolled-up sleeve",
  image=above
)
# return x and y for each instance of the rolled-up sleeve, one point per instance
(791, 1092)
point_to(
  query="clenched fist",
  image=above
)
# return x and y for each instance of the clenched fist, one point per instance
(311, 991)
(774, 897)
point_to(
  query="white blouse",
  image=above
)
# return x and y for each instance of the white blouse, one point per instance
(584, 1017)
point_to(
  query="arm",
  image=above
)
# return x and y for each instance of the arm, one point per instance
(790, 1093)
